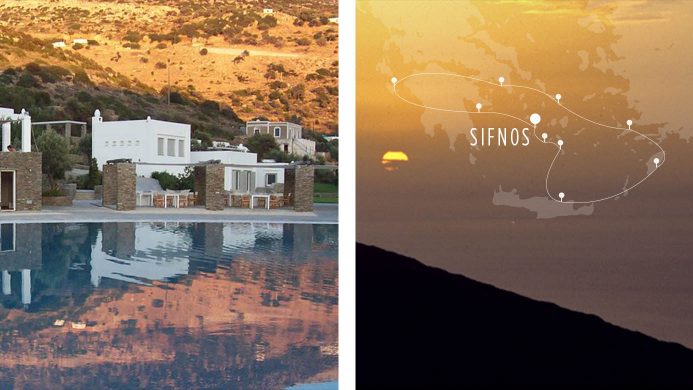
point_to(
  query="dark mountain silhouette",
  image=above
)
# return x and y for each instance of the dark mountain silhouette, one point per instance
(418, 325)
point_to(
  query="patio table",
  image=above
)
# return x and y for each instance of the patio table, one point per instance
(265, 196)
(175, 196)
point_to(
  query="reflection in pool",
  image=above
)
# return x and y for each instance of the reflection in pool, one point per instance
(197, 305)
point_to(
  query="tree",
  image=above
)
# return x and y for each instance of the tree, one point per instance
(262, 144)
(85, 145)
(56, 161)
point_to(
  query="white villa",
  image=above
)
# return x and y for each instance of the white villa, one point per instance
(288, 135)
(267, 11)
(163, 145)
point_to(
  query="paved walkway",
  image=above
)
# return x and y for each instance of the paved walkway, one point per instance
(92, 211)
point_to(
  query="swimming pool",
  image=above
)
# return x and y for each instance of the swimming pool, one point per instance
(175, 305)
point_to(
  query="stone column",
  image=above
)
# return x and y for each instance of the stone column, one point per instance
(214, 187)
(109, 185)
(119, 181)
(289, 185)
(6, 134)
(305, 181)
(200, 186)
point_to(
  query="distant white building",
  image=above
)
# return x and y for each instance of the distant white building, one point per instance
(59, 44)
(334, 20)
(268, 11)
(288, 135)
(80, 41)
(161, 142)
(221, 144)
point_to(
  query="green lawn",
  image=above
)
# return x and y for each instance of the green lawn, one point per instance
(318, 199)
(325, 188)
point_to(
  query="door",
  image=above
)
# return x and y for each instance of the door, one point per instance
(7, 190)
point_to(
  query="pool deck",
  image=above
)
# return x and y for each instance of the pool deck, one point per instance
(92, 211)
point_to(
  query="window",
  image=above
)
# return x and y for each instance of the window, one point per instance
(171, 150)
(122, 143)
(277, 131)
(160, 149)
(270, 179)
(106, 144)
(256, 131)
(137, 143)
(181, 148)
(129, 143)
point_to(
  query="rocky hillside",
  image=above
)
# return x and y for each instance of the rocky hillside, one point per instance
(225, 61)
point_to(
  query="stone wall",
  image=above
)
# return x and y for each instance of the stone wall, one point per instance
(119, 181)
(303, 188)
(27, 167)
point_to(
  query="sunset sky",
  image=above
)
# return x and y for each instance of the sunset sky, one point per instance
(610, 62)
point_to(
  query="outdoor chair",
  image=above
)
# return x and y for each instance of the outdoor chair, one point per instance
(158, 199)
(275, 201)
(245, 201)
(183, 198)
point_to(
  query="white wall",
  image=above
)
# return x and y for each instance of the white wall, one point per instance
(233, 157)
(138, 140)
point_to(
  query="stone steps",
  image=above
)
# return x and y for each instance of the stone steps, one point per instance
(84, 195)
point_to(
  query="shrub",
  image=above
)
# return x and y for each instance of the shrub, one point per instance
(160, 65)
(132, 45)
(55, 150)
(132, 36)
(204, 51)
(303, 42)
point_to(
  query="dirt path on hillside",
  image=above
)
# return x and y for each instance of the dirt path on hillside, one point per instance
(256, 53)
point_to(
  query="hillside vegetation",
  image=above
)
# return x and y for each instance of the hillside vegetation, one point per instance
(227, 62)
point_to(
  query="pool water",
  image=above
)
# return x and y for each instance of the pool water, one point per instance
(168, 305)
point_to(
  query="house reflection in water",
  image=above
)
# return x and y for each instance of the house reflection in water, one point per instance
(241, 305)
(18, 255)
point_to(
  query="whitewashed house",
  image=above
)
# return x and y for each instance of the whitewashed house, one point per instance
(80, 41)
(157, 142)
(147, 140)
(268, 11)
(59, 44)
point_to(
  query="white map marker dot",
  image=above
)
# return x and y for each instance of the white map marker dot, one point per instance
(478, 107)
(629, 123)
(561, 195)
(544, 136)
(558, 98)
(560, 143)
(656, 162)
(535, 119)
(501, 80)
